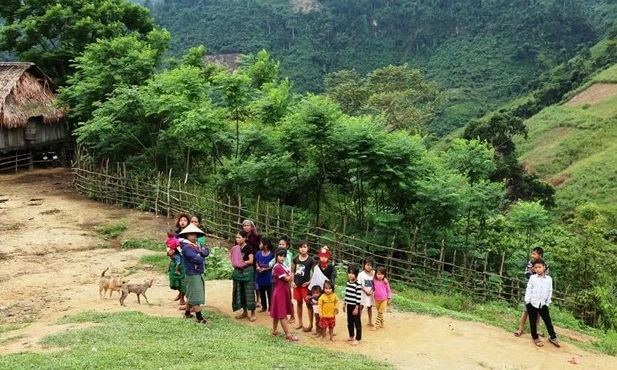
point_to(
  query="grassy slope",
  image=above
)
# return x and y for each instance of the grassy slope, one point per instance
(574, 148)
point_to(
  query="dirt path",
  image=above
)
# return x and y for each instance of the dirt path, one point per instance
(594, 94)
(50, 265)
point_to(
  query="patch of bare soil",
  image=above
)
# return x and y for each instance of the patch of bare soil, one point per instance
(594, 94)
(52, 262)
(305, 6)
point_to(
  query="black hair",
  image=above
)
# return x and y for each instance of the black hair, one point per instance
(198, 217)
(303, 242)
(538, 261)
(281, 252)
(538, 250)
(179, 216)
(316, 289)
(353, 269)
(266, 242)
(367, 260)
(328, 283)
(171, 231)
(380, 270)
(242, 233)
(286, 239)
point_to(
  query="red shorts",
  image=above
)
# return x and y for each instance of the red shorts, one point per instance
(327, 322)
(300, 292)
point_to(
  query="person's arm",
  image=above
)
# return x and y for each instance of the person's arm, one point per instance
(388, 291)
(320, 305)
(192, 255)
(528, 291)
(550, 291)
(335, 304)
(357, 298)
(249, 262)
(204, 251)
(293, 272)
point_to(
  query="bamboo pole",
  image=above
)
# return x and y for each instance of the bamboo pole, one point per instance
(169, 194)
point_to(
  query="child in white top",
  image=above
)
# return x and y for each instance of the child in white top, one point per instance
(365, 278)
(537, 298)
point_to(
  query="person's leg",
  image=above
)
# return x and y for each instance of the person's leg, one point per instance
(350, 322)
(331, 331)
(546, 317)
(369, 309)
(275, 326)
(533, 314)
(311, 314)
(358, 325)
(379, 306)
(521, 324)
(264, 302)
(299, 304)
(269, 296)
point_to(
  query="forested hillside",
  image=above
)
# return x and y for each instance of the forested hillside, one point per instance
(481, 53)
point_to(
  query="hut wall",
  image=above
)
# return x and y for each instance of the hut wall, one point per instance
(15, 138)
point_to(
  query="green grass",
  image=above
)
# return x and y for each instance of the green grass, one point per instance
(570, 147)
(132, 340)
(10, 339)
(152, 245)
(112, 230)
(9, 327)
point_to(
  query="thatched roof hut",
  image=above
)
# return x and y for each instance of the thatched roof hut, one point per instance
(26, 92)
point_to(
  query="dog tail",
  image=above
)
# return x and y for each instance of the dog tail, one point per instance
(103, 274)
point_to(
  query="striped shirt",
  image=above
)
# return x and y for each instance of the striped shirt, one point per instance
(539, 291)
(353, 293)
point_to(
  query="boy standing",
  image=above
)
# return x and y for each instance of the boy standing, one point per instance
(536, 253)
(537, 298)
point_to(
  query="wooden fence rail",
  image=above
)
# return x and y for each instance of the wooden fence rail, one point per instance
(448, 273)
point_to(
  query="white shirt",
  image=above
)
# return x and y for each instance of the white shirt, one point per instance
(539, 291)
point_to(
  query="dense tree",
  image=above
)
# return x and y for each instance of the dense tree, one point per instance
(53, 34)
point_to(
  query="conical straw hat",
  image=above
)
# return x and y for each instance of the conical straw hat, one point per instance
(191, 229)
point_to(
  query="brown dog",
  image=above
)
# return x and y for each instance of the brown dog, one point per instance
(110, 283)
(139, 289)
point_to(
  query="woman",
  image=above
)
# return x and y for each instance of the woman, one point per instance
(253, 239)
(194, 256)
(243, 295)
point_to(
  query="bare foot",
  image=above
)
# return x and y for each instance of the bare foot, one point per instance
(351, 339)
(355, 342)
(332, 338)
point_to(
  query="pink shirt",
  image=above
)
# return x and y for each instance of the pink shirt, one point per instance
(382, 290)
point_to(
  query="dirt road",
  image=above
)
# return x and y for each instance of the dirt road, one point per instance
(51, 260)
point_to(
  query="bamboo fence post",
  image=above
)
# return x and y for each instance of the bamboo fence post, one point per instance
(239, 208)
(291, 224)
(503, 260)
(485, 286)
(453, 268)
(229, 217)
(390, 255)
(278, 216)
(158, 189)
(169, 193)
(268, 219)
(257, 209)
(441, 256)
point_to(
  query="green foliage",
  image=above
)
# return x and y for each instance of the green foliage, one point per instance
(138, 341)
(52, 35)
(113, 230)
(398, 93)
(528, 218)
(148, 244)
(108, 64)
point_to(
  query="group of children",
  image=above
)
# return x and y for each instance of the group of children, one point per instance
(280, 278)
(538, 296)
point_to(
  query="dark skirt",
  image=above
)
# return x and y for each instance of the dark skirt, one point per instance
(195, 290)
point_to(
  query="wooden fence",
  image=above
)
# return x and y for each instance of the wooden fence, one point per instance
(450, 272)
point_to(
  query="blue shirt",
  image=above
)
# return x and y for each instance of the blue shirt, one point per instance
(264, 278)
(194, 258)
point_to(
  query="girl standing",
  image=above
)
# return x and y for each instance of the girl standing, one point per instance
(194, 256)
(281, 297)
(253, 239)
(196, 220)
(353, 294)
(182, 221)
(382, 294)
(365, 278)
(243, 294)
(264, 273)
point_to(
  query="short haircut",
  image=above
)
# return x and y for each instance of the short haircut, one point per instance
(303, 242)
(539, 261)
(353, 269)
(328, 283)
(316, 289)
(266, 242)
(538, 250)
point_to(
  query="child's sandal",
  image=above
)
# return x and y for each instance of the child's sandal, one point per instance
(275, 333)
(518, 333)
(538, 342)
(291, 338)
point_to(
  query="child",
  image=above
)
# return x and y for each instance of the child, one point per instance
(173, 244)
(365, 278)
(286, 245)
(264, 273)
(382, 294)
(353, 295)
(301, 270)
(536, 253)
(328, 309)
(537, 298)
(196, 220)
(182, 221)
(175, 266)
(322, 272)
(281, 297)
(313, 300)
